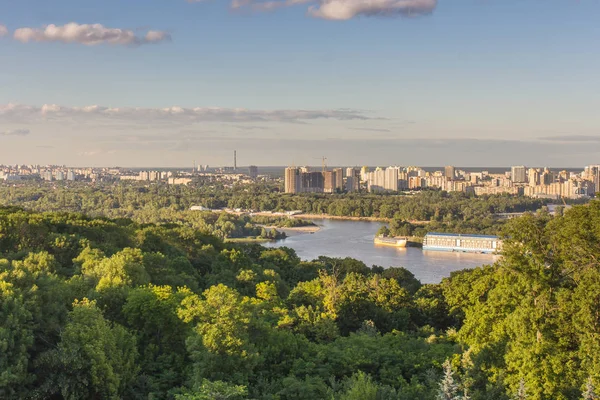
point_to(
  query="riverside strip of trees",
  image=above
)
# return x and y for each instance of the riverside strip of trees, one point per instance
(409, 215)
(96, 308)
(158, 202)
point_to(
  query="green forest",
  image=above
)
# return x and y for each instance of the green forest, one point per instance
(123, 308)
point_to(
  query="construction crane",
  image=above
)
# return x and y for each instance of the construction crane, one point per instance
(324, 159)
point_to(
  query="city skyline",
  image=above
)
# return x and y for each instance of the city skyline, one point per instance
(426, 82)
(314, 166)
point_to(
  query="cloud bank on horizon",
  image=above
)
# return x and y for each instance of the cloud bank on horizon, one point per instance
(15, 132)
(53, 112)
(85, 34)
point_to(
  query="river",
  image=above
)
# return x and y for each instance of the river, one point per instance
(355, 239)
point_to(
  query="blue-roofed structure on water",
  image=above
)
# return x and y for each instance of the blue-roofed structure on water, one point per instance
(464, 243)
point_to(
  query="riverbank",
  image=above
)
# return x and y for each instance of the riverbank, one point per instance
(316, 216)
(339, 218)
(248, 240)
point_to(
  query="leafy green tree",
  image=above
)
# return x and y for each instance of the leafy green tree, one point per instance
(404, 277)
(125, 268)
(221, 347)
(431, 307)
(309, 387)
(218, 390)
(151, 312)
(16, 339)
(362, 387)
(383, 231)
(44, 294)
(94, 359)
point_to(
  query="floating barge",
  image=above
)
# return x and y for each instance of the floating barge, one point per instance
(391, 241)
(462, 243)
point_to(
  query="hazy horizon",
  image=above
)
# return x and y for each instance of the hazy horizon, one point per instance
(409, 82)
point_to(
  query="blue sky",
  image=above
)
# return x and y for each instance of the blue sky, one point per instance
(464, 82)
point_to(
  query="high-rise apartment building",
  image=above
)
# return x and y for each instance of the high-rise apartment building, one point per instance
(382, 180)
(292, 180)
(363, 173)
(253, 172)
(376, 180)
(593, 175)
(416, 182)
(547, 177)
(352, 180)
(312, 182)
(153, 176)
(391, 179)
(329, 181)
(534, 176)
(518, 174)
(449, 172)
(339, 179)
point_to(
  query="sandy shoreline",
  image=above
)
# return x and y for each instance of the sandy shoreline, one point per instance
(327, 216)
(335, 217)
(319, 216)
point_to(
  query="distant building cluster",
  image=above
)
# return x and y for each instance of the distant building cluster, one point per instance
(520, 180)
(148, 176)
(56, 173)
(51, 173)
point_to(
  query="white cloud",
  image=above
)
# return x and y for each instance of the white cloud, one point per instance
(3, 30)
(16, 132)
(156, 36)
(346, 9)
(180, 115)
(88, 35)
(266, 5)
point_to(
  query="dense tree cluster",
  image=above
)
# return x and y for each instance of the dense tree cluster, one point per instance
(97, 308)
(534, 316)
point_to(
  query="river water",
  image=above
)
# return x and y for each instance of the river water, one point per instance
(355, 239)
